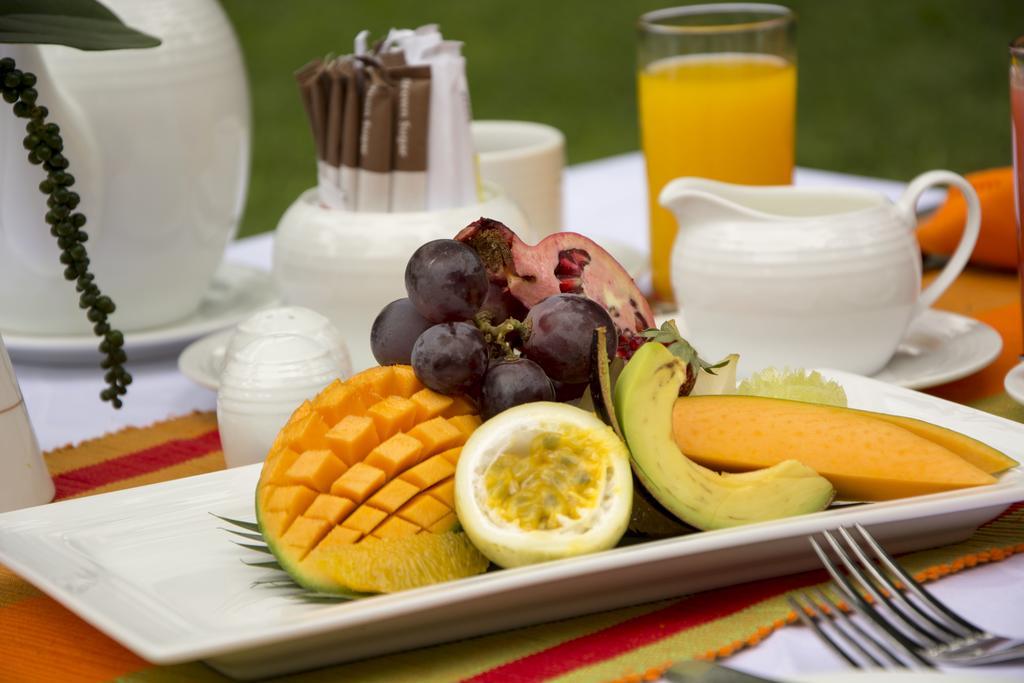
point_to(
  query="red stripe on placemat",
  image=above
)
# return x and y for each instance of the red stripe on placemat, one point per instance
(148, 460)
(644, 630)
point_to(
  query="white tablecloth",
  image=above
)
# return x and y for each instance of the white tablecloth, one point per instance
(602, 198)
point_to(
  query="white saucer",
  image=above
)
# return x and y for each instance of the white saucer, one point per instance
(1014, 383)
(203, 360)
(939, 347)
(236, 292)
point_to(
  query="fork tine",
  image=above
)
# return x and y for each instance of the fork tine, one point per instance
(841, 616)
(892, 635)
(907, 611)
(960, 625)
(824, 637)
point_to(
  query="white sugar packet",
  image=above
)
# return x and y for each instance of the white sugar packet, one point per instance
(451, 169)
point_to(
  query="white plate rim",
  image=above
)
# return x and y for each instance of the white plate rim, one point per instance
(1008, 490)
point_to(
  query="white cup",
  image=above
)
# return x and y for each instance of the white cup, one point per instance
(526, 160)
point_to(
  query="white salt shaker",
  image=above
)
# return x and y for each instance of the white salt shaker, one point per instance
(24, 479)
(291, 320)
(263, 383)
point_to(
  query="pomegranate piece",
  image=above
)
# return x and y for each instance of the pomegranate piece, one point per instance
(562, 263)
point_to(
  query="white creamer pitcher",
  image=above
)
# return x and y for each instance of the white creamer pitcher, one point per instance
(804, 277)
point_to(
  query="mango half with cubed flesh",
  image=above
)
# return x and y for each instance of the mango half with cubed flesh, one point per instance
(644, 397)
(369, 460)
(866, 456)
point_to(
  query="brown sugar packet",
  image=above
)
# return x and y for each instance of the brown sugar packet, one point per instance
(354, 76)
(375, 142)
(329, 169)
(309, 84)
(409, 152)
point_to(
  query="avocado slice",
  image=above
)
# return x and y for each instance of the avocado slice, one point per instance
(644, 396)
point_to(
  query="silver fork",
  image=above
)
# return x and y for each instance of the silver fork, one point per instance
(843, 636)
(909, 618)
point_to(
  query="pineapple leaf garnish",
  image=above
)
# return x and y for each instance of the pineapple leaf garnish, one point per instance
(273, 564)
(250, 526)
(670, 336)
(282, 580)
(257, 548)
(244, 534)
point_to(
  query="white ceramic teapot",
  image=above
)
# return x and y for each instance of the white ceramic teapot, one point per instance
(804, 277)
(158, 141)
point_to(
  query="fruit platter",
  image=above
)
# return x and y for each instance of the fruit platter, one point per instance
(529, 447)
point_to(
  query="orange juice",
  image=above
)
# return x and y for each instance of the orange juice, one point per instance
(724, 116)
(1017, 119)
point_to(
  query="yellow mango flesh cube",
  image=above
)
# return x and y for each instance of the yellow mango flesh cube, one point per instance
(424, 510)
(317, 469)
(396, 455)
(451, 455)
(352, 438)
(338, 536)
(307, 433)
(444, 492)
(429, 472)
(394, 494)
(460, 406)
(864, 458)
(337, 401)
(466, 424)
(274, 471)
(404, 382)
(306, 532)
(364, 519)
(358, 482)
(430, 404)
(375, 381)
(446, 523)
(263, 494)
(392, 415)
(292, 499)
(395, 527)
(437, 435)
(275, 522)
(331, 508)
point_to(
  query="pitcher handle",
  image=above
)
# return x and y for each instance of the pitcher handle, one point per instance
(972, 228)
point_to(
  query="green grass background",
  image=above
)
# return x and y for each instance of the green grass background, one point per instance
(886, 87)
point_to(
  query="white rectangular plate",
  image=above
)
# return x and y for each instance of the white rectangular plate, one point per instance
(151, 567)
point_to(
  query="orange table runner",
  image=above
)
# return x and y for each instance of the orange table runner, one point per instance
(42, 641)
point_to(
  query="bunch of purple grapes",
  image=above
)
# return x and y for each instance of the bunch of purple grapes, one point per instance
(437, 330)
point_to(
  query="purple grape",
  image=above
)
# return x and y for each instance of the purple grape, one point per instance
(569, 392)
(511, 383)
(446, 281)
(450, 358)
(395, 331)
(561, 329)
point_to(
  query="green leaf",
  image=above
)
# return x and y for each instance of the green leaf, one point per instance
(84, 24)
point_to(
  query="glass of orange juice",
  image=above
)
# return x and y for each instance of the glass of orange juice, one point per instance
(717, 99)
(1017, 128)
